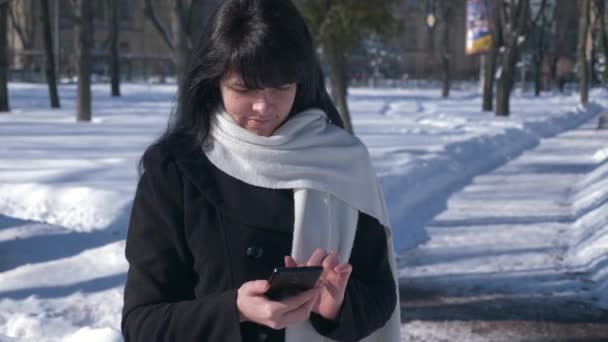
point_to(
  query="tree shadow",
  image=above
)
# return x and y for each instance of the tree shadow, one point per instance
(88, 286)
(58, 245)
(9, 222)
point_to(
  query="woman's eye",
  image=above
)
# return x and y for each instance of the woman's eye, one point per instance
(241, 89)
(285, 87)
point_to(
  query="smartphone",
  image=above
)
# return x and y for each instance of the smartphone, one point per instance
(289, 281)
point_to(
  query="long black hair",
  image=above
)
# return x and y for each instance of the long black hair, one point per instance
(268, 43)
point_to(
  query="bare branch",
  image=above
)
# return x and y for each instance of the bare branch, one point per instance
(502, 22)
(183, 20)
(31, 28)
(22, 36)
(106, 43)
(151, 15)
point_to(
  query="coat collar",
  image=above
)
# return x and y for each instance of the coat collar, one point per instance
(196, 168)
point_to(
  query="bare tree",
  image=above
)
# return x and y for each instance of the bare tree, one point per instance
(584, 34)
(182, 45)
(513, 20)
(26, 31)
(440, 19)
(179, 38)
(539, 25)
(445, 15)
(51, 78)
(489, 60)
(338, 27)
(114, 55)
(4, 107)
(600, 7)
(83, 10)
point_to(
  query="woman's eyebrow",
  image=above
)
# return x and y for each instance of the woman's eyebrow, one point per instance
(237, 83)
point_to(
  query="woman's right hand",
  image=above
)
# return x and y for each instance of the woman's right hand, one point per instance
(254, 306)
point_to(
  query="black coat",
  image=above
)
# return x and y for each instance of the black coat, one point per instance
(197, 234)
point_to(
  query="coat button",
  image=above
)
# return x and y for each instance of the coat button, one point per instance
(262, 336)
(255, 252)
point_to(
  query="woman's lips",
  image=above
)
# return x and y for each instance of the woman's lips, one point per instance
(260, 122)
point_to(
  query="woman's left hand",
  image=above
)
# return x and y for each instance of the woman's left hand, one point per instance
(333, 281)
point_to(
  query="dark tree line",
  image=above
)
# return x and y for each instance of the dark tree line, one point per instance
(338, 26)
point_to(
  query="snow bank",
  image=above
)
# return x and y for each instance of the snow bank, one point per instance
(412, 189)
(77, 207)
(588, 253)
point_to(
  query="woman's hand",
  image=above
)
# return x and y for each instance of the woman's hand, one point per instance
(333, 281)
(255, 307)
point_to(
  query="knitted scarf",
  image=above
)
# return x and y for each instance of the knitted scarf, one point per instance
(332, 179)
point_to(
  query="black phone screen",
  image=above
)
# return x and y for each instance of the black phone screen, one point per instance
(289, 281)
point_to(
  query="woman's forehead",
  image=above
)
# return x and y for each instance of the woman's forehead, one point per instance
(232, 76)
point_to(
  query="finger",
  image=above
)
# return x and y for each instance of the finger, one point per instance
(344, 268)
(298, 300)
(317, 257)
(300, 313)
(256, 287)
(289, 262)
(331, 261)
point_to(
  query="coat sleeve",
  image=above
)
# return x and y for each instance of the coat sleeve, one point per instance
(370, 296)
(159, 301)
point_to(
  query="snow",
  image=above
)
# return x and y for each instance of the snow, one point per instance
(66, 190)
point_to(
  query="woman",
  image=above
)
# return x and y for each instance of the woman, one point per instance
(255, 172)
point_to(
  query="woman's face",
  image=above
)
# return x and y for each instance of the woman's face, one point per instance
(259, 111)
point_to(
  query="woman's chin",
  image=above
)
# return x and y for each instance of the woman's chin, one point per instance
(265, 131)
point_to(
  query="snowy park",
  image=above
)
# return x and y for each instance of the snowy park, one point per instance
(485, 210)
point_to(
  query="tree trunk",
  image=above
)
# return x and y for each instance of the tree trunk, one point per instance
(582, 51)
(51, 78)
(339, 83)
(489, 67)
(445, 66)
(4, 107)
(445, 49)
(601, 8)
(505, 82)
(539, 55)
(151, 15)
(503, 93)
(114, 55)
(180, 42)
(84, 43)
(509, 58)
(489, 63)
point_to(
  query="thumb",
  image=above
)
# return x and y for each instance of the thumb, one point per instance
(256, 287)
(289, 262)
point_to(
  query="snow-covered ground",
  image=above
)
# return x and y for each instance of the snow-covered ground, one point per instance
(66, 187)
(518, 247)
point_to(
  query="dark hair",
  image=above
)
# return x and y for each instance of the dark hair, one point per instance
(268, 43)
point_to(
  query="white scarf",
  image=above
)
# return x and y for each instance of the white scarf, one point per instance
(332, 179)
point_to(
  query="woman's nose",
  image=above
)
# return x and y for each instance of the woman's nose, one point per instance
(262, 102)
(260, 106)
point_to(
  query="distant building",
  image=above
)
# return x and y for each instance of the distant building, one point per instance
(416, 42)
(410, 54)
(142, 51)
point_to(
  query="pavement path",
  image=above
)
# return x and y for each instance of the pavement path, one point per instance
(495, 268)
